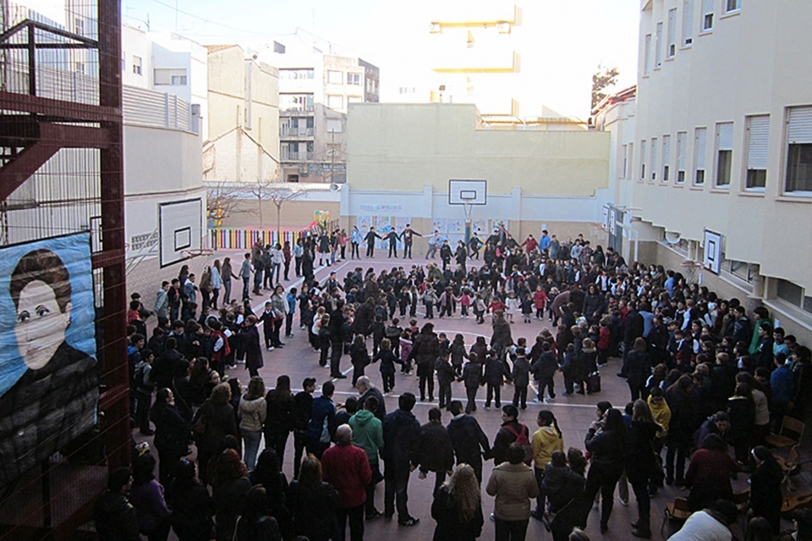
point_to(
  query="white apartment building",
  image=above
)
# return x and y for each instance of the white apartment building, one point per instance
(723, 143)
(315, 90)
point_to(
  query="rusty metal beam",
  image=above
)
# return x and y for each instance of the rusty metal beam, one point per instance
(23, 166)
(76, 112)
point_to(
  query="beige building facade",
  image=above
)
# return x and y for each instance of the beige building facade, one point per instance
(401, 157)
(723, 143)
(243, 122)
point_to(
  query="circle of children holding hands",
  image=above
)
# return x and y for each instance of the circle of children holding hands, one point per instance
(701, 377)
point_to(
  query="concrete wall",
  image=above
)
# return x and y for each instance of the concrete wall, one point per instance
(410, 144)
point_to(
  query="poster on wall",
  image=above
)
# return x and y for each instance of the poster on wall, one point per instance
(438, 224)
(364, 223)
(455, 226)
(480, 227)
(48, 376)
(383, 225)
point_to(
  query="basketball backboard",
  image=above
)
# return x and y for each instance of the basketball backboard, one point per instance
(470, 192)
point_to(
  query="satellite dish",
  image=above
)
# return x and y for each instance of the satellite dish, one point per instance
(672, 237)
(335, 187)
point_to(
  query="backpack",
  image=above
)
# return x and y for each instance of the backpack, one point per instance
(523, 440)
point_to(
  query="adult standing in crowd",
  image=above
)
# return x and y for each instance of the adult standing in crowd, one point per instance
(400, 435)
(346, 467)
(457, 507)
(606, 442)
(513, 485)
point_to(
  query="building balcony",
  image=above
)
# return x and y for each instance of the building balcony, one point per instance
(483, 60)
(295, 109)
(288, 156)
(291, 132)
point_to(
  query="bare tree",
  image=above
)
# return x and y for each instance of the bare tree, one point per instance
(222, 199)
(276, 192)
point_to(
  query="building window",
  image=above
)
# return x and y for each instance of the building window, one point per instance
(79, 67)
(688, 22)
(666, 157)
(642, 160)
(137, 65)
(630, 170)
(354, 79)
(733, 5)
(303, 73)
(653, 158)
(799, 153)
(792, 293)
(174, 77)
(334, 125)
(658, 46)
(647, 56)
(334, 77)
(672, 33)
(335, 102)
(80, 26)
(625, 161)
(682, 139)
(758, 138)
(700, 139)
(724, 153)
(707, 15)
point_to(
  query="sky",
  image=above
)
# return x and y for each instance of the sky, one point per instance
(571, 38)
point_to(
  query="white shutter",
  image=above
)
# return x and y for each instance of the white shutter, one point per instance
(701, 139)
(658, 44)
(688, 22)
(653, 158)
(681, 151)
(642, 159)
(666, 150)
(672, 32)
(800, 126)
(725, 134)
(758, 142)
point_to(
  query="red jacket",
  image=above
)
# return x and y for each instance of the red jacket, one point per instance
(346, 467)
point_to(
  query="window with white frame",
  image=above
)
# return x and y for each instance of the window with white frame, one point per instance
(653, 158)
(700, 142)
(354, 79)
(643, 160)
(672, 34)
(647, 56)
(658, 46)
(758, 138)
(137, 65)
(733, 5)
(625, 161)
(666, 157)
(335, 102)
(724, 153)
(794, 294)
(688, 22)
(707, 15)
(799, 150)
(334, 77)
(173, 77)
(630, 170)
(682, 140)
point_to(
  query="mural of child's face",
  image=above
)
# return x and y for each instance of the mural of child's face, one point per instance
(41, 325)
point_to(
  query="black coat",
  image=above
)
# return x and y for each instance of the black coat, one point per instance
(495, 371)
(521, 372)
(638, 367)
(472, 375)
(434, 450)
(467, 439)
(425, 350)
(400, 435)
(545, 366)
(445, 372)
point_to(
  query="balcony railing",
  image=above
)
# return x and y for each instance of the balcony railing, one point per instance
(296, 156)
(291, 131)
(296, 108)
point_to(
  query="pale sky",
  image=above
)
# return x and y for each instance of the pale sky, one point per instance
(570, 37)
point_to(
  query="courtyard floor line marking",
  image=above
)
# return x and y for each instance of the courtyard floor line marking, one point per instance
(482, 400)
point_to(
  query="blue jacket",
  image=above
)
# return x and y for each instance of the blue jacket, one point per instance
(323, 411)
(782, 384)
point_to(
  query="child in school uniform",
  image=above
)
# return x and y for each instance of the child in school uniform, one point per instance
(388, 360)
(527, 308)
(405, 350)
(465, 302)
(324, 339)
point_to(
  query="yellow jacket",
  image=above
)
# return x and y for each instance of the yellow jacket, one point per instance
(545, 441)
(662, 416)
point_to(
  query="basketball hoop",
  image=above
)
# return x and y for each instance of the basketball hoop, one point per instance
(690, 270)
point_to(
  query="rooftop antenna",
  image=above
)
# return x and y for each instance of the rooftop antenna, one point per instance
(176, 15)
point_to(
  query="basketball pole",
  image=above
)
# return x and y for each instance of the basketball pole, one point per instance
(467, 208)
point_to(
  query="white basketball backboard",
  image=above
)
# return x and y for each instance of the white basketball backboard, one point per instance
(471, 192)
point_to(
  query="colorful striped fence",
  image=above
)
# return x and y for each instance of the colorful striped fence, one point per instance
(243, 239)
